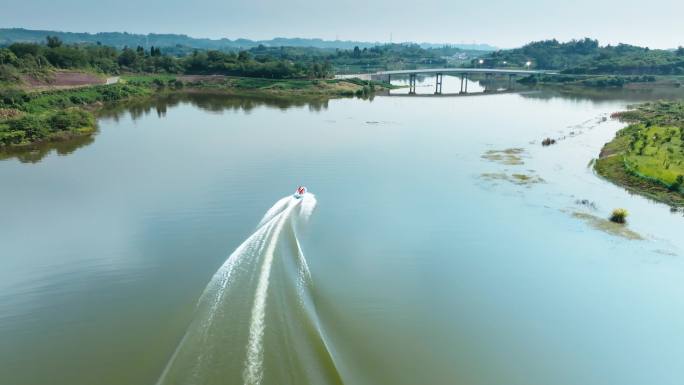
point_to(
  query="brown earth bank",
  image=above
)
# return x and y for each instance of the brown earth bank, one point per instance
(63, 80)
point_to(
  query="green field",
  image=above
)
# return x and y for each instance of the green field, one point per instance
(656, 152)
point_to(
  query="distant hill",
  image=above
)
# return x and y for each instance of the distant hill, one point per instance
(122, 39)
(586, 56)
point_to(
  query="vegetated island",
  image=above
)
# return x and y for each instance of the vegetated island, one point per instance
(647, 156)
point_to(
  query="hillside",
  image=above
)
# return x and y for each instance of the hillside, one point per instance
(123, 39)
(586, 56)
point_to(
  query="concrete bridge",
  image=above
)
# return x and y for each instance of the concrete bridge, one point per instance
(439, 73)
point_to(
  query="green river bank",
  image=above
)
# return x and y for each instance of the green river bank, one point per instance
(647, 156)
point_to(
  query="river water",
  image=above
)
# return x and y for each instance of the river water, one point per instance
(440, 243)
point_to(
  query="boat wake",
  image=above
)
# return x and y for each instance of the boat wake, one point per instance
(256, 322)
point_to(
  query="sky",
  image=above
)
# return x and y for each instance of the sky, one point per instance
(505, 24)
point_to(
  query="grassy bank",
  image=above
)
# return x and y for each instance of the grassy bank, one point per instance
(647, 156)
(28, 118)
(32, 117)
(241, 86)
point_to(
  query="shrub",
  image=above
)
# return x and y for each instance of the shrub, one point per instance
(12, 137)
(12, 97)
(548, 142)
(619, 216)
(70, 119)
(8, 73)
(158, 83)
(33, 126)
(678, 183)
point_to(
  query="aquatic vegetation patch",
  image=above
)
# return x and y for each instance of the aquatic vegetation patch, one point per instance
(605, 225)
(509, 156)
(515, 178)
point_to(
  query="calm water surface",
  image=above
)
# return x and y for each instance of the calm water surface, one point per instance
(427, 262)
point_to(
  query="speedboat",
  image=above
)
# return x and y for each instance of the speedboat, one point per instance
(301, 190)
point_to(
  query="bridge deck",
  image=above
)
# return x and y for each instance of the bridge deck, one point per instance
(458, 71)
(466, 71)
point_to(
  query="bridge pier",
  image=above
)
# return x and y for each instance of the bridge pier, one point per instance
(438, 84)
(487, 81)
(510, 81)
(464, 80)
(489, 74)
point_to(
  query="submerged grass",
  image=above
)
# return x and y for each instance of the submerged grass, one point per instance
(605, 225)
(509, 156)
(515, 178)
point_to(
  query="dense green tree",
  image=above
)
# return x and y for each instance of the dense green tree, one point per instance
(243, 56)
(586, 56)
(127, 58)
(53, 41)
(7, 57)
(261, 61)
(25, 49)
(67, 57)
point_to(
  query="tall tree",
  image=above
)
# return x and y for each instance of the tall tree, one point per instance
(53, 41)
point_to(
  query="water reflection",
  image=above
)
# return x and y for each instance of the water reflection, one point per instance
(216, 103)
(36, 153)
(219, 103)
(634, 94)
(136, 109)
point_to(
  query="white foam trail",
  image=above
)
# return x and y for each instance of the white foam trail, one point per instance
(202, 351)
(223, 276)
(217, 287)
(275, 210)
(253, 366)
(307, 206)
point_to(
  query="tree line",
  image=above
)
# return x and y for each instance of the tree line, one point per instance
(586, 56)
(36, 59)
(262, 61)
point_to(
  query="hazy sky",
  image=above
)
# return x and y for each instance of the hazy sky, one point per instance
(655, 23)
